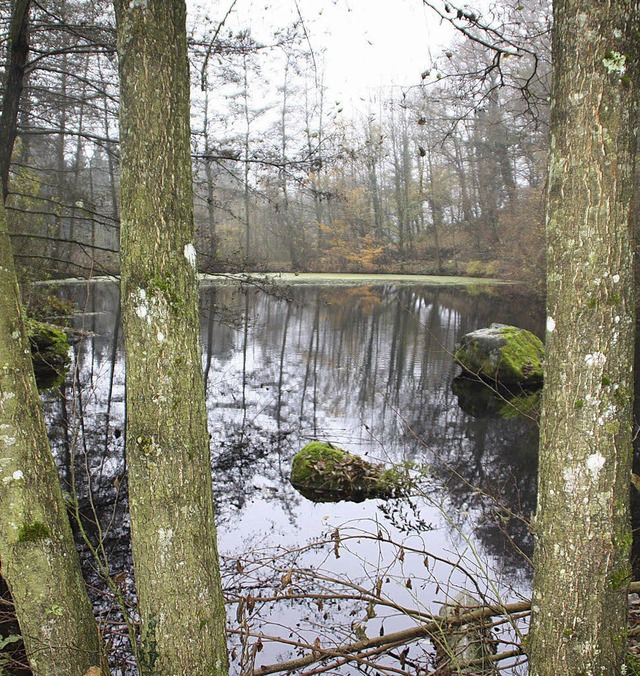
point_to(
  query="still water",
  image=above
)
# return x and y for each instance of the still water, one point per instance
(367, 367)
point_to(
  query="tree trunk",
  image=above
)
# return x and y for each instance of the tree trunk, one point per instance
(246, 156)
(582, 525)
(39, 558)
(373, 139)
(170, 496)
(18, 50)
(210, 236)
(315, 145)
(436, 211)
(291, 224)
(398, 175)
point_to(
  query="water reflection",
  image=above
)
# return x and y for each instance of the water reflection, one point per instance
(369, 368)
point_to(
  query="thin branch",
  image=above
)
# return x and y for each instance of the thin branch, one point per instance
(207, 56)
(435, 627)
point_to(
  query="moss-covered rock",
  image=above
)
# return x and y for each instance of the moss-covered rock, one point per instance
(49, 352)
(526, 404)
(491, 400)
(502, 354)
(324, 473)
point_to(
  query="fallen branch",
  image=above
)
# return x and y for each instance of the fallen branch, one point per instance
(435, 627)
(428, 629)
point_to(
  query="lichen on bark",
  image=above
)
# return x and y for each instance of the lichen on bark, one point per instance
(39, 559)
(581, 560)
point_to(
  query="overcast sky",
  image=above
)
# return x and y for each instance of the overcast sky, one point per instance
(368, 43)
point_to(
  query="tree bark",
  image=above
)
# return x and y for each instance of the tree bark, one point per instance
(18, 50)
(582, 525)
(39, 558)
(170, 495)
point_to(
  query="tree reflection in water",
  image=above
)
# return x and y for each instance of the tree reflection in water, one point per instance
(368, 368)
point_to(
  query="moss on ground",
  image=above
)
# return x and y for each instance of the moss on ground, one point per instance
(47, 307)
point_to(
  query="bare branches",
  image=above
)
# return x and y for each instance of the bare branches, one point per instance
(212, 43)
(269, 582)
(512, 33)
(434, 629)
(472, 27)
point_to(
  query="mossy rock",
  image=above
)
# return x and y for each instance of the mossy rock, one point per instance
(526, 404)
(49, 353)
(323, 472)
(490, 400)
(502, 354)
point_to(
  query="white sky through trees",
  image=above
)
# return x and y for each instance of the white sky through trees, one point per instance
(364, 44)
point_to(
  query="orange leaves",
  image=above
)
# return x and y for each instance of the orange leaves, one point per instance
(347, 251)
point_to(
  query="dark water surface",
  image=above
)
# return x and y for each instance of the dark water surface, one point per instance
(368, 368)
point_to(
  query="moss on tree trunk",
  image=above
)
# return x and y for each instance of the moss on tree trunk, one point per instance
(39, 559)
(170, 495)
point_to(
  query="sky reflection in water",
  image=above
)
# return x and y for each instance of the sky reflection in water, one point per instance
(368, 368)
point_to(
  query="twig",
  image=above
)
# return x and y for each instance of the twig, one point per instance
(403, 636)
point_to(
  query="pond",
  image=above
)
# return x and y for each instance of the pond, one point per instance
(367, 366)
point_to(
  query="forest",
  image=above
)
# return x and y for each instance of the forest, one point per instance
(446, 177)
(159, 168)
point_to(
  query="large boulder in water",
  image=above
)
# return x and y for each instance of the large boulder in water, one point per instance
(323, 472)
(502, 354)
